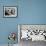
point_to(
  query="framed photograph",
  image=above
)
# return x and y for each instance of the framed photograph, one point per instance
(10, 11)
(33, 32)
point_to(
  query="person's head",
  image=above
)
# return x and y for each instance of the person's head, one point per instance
(7, 11)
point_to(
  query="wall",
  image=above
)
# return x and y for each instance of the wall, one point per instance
(29, 12)
(32, 11)
(7, 25)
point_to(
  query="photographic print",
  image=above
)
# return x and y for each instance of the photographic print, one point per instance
(10, 11)
(32, 32)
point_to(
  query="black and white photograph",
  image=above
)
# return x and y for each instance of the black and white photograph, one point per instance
(10, 11)
(31, 34)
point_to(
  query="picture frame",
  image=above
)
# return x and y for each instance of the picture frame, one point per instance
(38, 30)
(10, 11)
